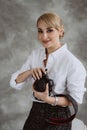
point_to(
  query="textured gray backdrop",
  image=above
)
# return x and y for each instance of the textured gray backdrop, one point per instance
(17, 39)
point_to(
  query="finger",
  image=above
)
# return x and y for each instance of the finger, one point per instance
(36, 73)
(39, 72)
(33, 75)
(43, 70)
(47, 88)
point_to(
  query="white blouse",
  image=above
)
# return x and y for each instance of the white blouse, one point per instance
(63, 67)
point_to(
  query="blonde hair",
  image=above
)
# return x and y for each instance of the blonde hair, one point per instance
(53, 20)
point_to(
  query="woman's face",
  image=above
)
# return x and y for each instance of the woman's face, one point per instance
(48, 36)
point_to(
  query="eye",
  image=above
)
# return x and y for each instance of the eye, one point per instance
(40, 31)
(50, 30)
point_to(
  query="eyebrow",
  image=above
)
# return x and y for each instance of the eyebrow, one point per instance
(49, 27)
(46, 28)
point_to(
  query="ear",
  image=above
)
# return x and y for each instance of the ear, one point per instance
(61, 31)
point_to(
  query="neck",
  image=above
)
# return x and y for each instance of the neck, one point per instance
(50, 50)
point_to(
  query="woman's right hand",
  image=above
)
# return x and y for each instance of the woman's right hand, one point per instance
(37, 72)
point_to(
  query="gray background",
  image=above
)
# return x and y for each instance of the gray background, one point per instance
(18, 36)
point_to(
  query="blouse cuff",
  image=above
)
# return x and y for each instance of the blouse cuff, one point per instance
(78, 96)
(13, 83)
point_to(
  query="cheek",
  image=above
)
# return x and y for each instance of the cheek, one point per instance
(39, 37)
(56, 36)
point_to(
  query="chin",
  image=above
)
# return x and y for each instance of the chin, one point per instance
(47, 45)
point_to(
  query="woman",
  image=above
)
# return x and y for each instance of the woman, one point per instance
(66, 71)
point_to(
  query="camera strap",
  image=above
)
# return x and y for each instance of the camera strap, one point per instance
(57, 121)
(45, 60)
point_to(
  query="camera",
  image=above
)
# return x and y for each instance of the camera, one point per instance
(40, 84)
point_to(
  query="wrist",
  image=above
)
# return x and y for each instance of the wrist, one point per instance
(52, 100)
(56, 101)
(30, 72)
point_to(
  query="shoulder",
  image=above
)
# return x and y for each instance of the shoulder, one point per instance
(75, 62)
(74, 59)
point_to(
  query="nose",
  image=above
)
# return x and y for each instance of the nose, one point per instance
(44, 36)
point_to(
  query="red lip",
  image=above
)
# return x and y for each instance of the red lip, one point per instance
(46, 41)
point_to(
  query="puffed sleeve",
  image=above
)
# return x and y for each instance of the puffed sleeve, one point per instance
(76, 80)
(24, 68)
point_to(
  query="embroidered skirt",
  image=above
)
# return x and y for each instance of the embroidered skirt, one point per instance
(42, 111)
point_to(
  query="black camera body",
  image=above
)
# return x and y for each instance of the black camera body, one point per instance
(40, 84)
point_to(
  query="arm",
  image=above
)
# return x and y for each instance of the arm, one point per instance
(19, 78)
(36, 73)
(23, 76)
(62, 101)
(44, 96)
(75, 86)
(76, 78)
(16, 81)
(27, 71)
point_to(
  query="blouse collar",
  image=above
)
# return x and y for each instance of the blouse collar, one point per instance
(57, 53)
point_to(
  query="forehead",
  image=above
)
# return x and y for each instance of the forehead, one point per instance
(42, 25)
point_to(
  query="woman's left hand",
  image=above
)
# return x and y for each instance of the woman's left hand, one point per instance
(44, 96)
